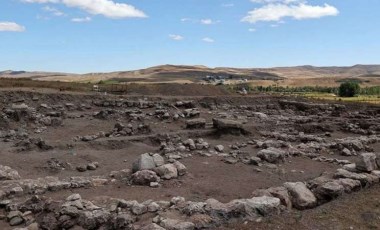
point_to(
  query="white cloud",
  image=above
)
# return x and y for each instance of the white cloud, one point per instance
(276, 12)
(11, 27)
(209, 40)
(190, 20)
(252, 30)
(176, 37)
(208, 21)
(107, 8)
(53, 10)
(85, 19)
(186, 19)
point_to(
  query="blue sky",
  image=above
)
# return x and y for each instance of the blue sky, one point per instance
(110, 35)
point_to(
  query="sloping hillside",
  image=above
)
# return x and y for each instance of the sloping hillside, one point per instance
(191, 74)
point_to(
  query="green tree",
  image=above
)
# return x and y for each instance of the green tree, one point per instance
(349, 89)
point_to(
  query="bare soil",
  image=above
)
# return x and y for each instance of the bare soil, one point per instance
(208, 176)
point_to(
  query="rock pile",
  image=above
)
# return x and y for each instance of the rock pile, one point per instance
(148, 169)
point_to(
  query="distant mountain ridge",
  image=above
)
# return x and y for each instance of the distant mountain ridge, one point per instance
(187, 73)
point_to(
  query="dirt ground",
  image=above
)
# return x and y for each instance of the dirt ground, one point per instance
(354, 211)
(208, 174)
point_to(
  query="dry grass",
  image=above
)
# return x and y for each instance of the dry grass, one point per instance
(29, 83)
(323, 82)
(372, 99)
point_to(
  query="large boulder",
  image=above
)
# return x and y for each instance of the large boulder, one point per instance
(349, 185)
(365, 179)
(198, 123)
(282, 194)
(158, 159)
(167, 171)
(265, 205)
(123, 221)
(228, 126)
(173, 224)
(301, 196)
(144, 162)
(254, 207)
(367, 162)
(139, 209)
(271, 155)
(144, 177)
(93, 219)
(217, 209)
(329, 191)
(190, 208)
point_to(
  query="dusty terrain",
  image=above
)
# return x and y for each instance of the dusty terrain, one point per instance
(94, 161)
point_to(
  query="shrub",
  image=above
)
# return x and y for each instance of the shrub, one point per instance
(349, 89)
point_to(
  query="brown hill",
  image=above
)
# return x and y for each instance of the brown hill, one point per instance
(191, 74)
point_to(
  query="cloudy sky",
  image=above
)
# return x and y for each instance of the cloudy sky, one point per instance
(109, 35)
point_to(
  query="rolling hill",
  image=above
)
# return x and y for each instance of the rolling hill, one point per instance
(194, 74)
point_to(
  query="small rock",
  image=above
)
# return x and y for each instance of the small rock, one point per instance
(167, 171)
(139, 209)
(154, 184)
(82, 168)
(181, 168)
(255, 161)
(271, 155)
(144, 177)
(91, 166)
(230, 160)
(219, 148)
(346, 152)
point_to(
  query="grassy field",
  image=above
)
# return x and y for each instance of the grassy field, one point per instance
(322, 82)
(373, 99)
(173, 89)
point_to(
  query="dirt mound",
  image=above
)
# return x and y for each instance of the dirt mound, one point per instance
(176, 90)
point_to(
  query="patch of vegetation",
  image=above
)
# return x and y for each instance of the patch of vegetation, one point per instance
(373, 90)
(287, 89)
(366, 94)
(355, 80)
(349, 89)
(373, 99)
(108, 82)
